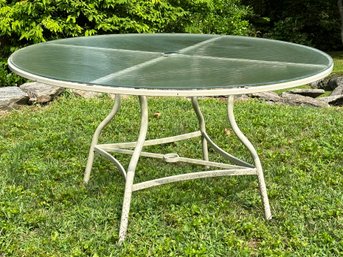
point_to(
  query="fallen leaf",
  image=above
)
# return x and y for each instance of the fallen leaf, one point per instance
(227, 131)
(157, 114)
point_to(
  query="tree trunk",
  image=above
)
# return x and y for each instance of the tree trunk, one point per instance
(340, 9)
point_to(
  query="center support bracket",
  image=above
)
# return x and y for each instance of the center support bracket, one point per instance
(237, 168)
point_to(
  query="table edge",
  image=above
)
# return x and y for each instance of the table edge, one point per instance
(170, 92)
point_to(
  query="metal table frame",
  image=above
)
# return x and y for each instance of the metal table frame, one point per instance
(239, 167)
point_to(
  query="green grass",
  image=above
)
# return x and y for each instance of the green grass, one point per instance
(338, 62)
(46, 211)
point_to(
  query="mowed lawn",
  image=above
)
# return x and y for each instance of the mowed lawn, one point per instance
(45, 210)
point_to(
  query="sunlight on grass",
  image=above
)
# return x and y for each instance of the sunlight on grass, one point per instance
(46, 211)
(338, 62)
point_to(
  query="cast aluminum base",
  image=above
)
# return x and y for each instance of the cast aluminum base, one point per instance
(239, 167)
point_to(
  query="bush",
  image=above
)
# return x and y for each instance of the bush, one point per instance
(215, 16)
(315, 23)
(23, 22)
(290, 29)
(33, 21)
(8, 78)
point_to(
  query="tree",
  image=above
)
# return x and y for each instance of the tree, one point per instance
(340, 9)
(309, 22)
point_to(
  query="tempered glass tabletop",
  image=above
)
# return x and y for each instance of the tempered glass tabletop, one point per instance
(180, 64)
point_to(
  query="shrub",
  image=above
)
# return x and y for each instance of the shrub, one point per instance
(315, 23)
(7, 78)
(215, 16)
(32, 21)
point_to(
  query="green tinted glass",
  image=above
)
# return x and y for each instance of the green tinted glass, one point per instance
(171, 61)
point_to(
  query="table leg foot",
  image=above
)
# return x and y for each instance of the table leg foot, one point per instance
(132, 167)
(97, 132)
(258, 166)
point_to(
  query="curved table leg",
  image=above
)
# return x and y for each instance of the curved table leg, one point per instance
(132, 167)
(258, 166)
(97, 132)
(202, 127)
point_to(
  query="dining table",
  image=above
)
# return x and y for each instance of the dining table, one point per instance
(172, 65)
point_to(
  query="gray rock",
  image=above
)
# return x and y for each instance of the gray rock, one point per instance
(242, 98)
(86, 94)
(12, 96)
(322, 84)
(267, 96)
(334, 83)
(294, 99)
(337, 91)
(308, 92)
(41, 93)
(89, 94)
(336, 100)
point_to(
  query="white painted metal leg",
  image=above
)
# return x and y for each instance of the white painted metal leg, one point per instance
(202, 127)
(97, 132)
(259, 170)
(132, 167)
(207, 140)
(240, 168)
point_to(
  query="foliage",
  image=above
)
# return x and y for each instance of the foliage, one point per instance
(215, 16)
(28, 22)
(46, 211)
(338, 62)
(24, 22)
(315, 23)
(8, 78)
(33, 21)
(290, 29)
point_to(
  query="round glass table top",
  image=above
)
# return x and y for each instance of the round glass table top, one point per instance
(171, 64)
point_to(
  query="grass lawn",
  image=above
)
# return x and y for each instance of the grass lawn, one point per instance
(46, 211)
(338, 60)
